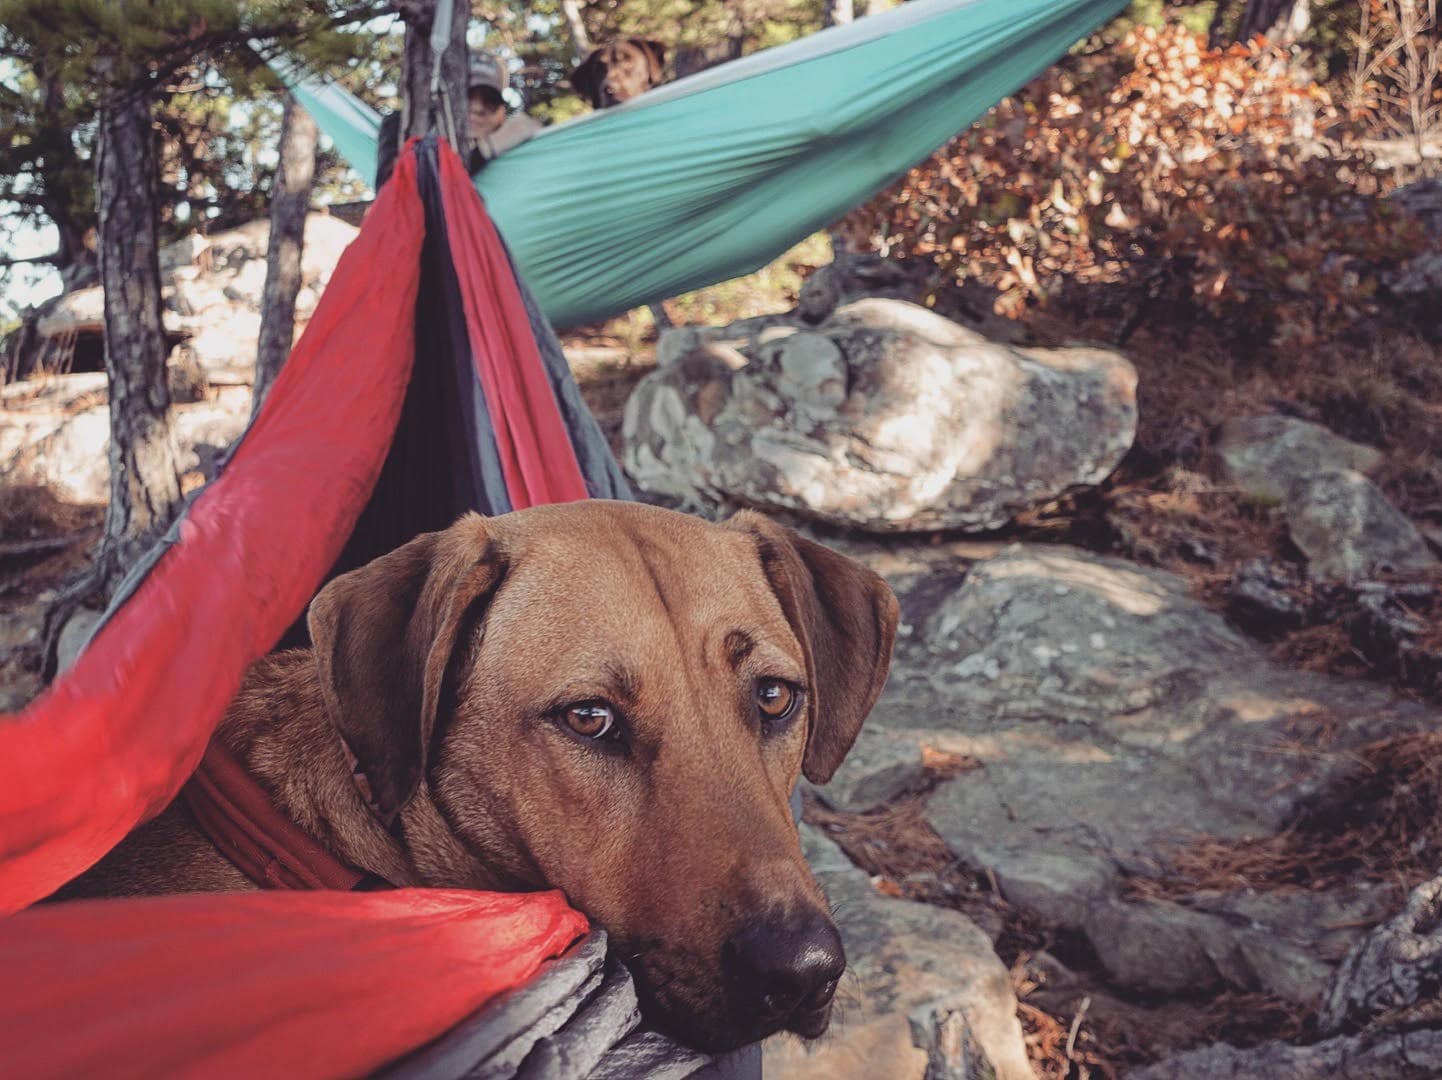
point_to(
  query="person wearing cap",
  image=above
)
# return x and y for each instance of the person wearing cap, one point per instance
(492, 130)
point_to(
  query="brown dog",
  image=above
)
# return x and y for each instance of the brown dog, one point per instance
(607, 698)
(619, 70)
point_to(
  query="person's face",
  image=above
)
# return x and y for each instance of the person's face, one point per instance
(486, 114)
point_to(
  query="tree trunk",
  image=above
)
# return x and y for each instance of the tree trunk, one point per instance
(837, 13)
(289, 205)
(447, 114)
(1281, 21)
(581, 43)
(144, 482)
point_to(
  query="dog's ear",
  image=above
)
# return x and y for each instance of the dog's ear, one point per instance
(845, 618)
(587, 78)
(385, 637)
(655, 53)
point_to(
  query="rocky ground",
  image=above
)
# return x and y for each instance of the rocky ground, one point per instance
(1153, 783)
(1126, 807)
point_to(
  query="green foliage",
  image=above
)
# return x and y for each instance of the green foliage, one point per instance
(216, 106)
(537, 34)
(1158, 13)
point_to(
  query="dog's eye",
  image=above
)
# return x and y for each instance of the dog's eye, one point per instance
(776, 699)
(594, 719)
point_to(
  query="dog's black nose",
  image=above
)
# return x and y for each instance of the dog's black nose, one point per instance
(790, 967)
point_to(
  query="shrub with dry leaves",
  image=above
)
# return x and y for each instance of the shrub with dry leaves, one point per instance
(1159, 179)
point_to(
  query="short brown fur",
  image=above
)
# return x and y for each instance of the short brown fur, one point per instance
(446, 667)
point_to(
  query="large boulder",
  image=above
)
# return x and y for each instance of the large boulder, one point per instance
(1115, 721)
(924, 995)
(885, 417)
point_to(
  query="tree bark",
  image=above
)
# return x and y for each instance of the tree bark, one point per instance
(837, 13)
(144, 481)
(581, 44)
(1280, 20)
(421, 114)
(289, 206)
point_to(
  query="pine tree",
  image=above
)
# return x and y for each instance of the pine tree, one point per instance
(289, 208)
(128, 55)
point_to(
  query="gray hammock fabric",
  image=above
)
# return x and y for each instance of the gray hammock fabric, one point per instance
(577, 1020)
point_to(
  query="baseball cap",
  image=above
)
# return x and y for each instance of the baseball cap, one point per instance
(485, 69)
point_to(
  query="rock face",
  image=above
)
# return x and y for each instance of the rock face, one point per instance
(211, 289)
(1404, 1056)
(1395, 967)
(878, 768)
(1266, 455)
(1348, 530)
(884, 417)
(1115, 720)
(57, 433)
(924, 995)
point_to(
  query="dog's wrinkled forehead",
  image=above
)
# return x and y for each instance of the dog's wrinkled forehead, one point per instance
(634, 579)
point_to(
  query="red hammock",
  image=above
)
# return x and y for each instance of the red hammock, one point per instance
(260, 984)
(321, 984)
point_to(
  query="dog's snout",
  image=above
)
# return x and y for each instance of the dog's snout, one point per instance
(791, 968)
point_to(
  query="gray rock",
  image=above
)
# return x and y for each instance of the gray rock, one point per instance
(1265, 455)
(923, 989)
(852, 277)
(1415, 1055)
(1398, 964)
(885, 417)
(1263, 598)
(75, 635)
(1421, 199)
(1348, 530)
(1153, 945)
(1115, 720)
(1285, 943)
(1421, 276)
(879, 767)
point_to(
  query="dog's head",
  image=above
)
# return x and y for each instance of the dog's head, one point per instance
(617, 701)
(619, 70)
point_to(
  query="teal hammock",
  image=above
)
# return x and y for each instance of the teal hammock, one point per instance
(715, 175)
